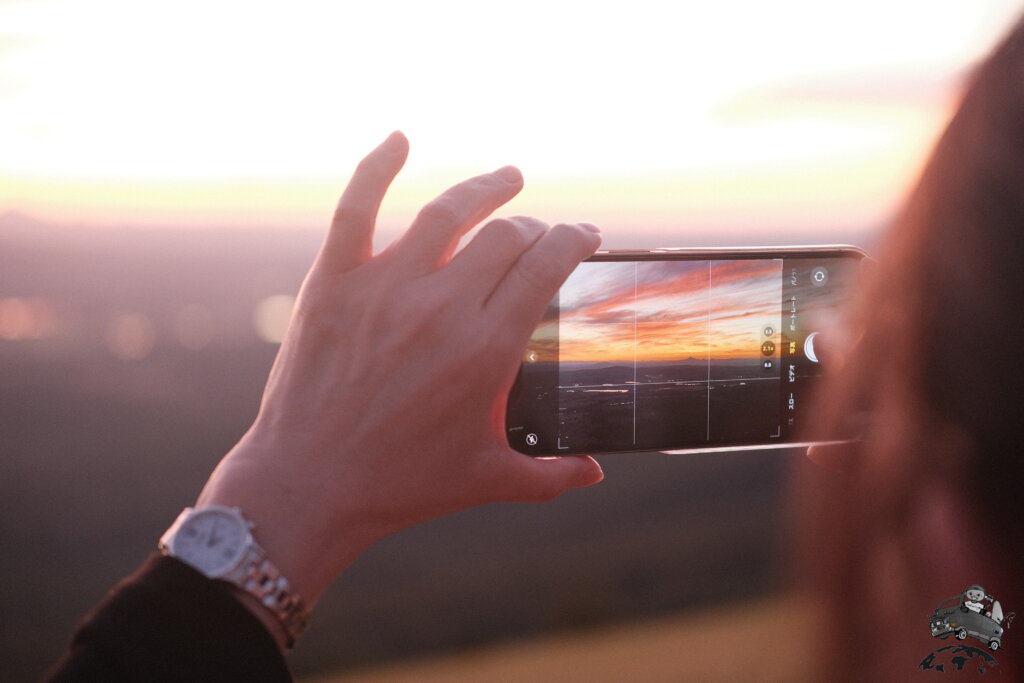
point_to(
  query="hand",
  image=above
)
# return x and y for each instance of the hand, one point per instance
(385, 406)
(837, 457)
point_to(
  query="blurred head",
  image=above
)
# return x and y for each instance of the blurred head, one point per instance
(931, 498)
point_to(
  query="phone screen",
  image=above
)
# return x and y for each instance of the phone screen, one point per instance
(656, 351)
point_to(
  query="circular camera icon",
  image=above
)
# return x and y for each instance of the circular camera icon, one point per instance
(819, 276)
(809, 350)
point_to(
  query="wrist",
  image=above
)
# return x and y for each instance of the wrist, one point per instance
(311, 532)
(218, 542)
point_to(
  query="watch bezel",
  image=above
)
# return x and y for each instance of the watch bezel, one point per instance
(174, 540)
(248, 570)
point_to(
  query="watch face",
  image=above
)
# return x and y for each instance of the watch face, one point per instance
(212, 540)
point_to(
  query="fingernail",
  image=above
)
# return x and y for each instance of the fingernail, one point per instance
(510, 174)
(590, 226)
(594, 476)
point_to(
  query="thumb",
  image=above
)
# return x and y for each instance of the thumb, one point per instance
(541, 479)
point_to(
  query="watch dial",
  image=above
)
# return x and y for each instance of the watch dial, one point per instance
(212, 541)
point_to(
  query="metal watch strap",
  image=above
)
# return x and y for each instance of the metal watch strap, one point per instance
(259, 577)
(250, 571)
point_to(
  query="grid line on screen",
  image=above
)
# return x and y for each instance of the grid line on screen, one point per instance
(636, 394)
(707, 388)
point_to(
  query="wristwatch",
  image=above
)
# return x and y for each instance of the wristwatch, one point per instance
(217, 541)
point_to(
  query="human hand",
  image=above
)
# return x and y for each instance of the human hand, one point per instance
(835, 457)
(833, 453)
(385, 406)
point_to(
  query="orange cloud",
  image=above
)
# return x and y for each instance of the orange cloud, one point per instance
(669, 310)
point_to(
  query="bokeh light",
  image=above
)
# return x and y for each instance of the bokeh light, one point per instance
(30, 318)
(271, 317)
(131, 336)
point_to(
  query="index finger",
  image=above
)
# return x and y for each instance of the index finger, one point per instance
(433, 235)
(349, 242)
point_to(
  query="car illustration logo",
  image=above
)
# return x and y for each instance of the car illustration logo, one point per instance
(975, 614)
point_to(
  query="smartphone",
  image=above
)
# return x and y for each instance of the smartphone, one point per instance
(680, 349)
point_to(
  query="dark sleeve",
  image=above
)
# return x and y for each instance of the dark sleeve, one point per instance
(168, 622)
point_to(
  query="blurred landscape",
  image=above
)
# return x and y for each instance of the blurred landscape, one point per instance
(767, 640)
(132, 360)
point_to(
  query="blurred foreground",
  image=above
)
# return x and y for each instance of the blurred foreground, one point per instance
(130, 362)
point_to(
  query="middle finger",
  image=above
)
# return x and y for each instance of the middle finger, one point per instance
(434, 234)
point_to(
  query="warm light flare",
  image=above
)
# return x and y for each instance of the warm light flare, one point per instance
(131, 336)
(654, 117)
(27, 318)
(271, 317)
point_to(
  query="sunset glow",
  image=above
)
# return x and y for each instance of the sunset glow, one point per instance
(651, 116)
(668, 310)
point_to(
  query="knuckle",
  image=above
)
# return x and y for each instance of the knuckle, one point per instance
(531, 228)
(442, 210)
(566, 232)
(508, 234)
(568, 244)
(537, 266)
(498, 227)
(316, 296)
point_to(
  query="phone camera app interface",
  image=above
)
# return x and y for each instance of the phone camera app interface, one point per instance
(668, 354)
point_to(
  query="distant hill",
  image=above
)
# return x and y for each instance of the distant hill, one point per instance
(584, 364)
(691, 370)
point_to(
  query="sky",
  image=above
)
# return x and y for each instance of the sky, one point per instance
(670, 118)
(668, 310)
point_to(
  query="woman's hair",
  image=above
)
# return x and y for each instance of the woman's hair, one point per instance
(939, 371)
